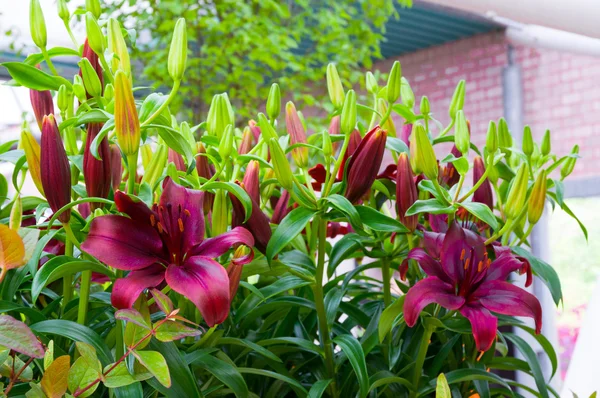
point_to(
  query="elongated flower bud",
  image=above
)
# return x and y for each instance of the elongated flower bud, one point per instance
(295, 129)
(146, 153)
(265, 127)
(256, 132)
(504, 138)
(91, 82)
(535, 205)
(334, 87)
(226, 143)
(176, 159)
(32, 154)
(156, 165)
(348, 116)
(394, 83)
(205, 170)
(527, 141)
(219, 116)
(425, 156)
(41, 102)
(458, 99)
(281, 165)
(546, 143)
(462, 137)
(247, 141)
(518, 193)
(79, 89)
(93, 59)
(281, 208)
(364, 164)
(64, 98)
(93, 6)
(371, 83)
(127, 125)
(257, 223)
(327, 145)
(274, 102)
(54, 168)
(219, 213)
(63, 10)
(234, 271)
(37, 24)
(406, 94)
(491, 140)
(569, 164)
(16, 214)
(251, 181)
(97, 173)
(483, 194)
(388, 126)
(116, 167)
(406, 132)
(334, 126)
(354, 142)
(406, 192)
(178, 51)
(117, 46)
(424, 107)
(95, 36)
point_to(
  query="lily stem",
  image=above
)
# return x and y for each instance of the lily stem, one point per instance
(162, 107)
(474, 188)
(67, 279)
(84, 296)
(132, 165)
(49, 61)
(387, 300)
(421, 359)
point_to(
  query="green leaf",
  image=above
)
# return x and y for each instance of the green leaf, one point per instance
(250, 345)
(442, 389)
(235, 190)
(302, 343)
(544, 271)
(461, 164)
(482, 212)
(460, 375)
(184, 383)
(396, 144)
(32, 264)
(133, 316)
(333, 298)
(344, 205)
(427, 185)
(568, 210)
(546, 345)
(317, 390)
(288, 229)
(348, 244)
(54, 381)
(389, 315)
(432, 206)
(162, 301)
(30, 237)
(532, 359)
(89, 353)
(384, 378)
(378, 221)
(81, 375)
(36, 58)
(17, 336)
(267, 373)
(226, 373)
(171, 331)
(353, 350)
(156, 364)
(33, 78)
(118, 377)
(174, 140)
(150, 105)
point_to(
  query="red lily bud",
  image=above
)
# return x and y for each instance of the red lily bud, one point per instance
(97, 173)
(257, 224)
(242, 255)
(335, 229)
(93, 58)
(247, 141)
(483, 194)
(54, 167)
(205, 170)
(352, 145)
(405, 133)
(406, 192)
(281, 208)
(365, 163)
(177, 160)
(41, 102)
(250, 181)
(297, 135)
(255, 129)
(116, 167)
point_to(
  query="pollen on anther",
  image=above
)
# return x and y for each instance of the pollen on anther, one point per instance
(180, 223)
(160, 227)
(187, 212)
(462, 254)
(468, 260)
(152, 220)
(480, 266)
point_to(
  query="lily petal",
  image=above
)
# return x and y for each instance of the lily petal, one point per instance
(453, 252)
(483, 323)
(503, 266)
(217, 246)
(123, 243)
(127, 290)
(204, 282)
(133, 207)
(427, 291)
(428, 264)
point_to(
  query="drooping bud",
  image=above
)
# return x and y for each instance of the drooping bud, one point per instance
(281, 208)
(371, 83)
(176, 159)
(527, 141)
(117, 46)
(388, 126)
(274, 102)
(569, 165)
(205, 170)
(116, 167)
(334, 87)
(546, 143)
(91, 82)
(425, 156)
(281, 165)
(156, 165)
(348, 116)
(79, 89)
(535, 205)
(16, 214)
(406, 192)
(295, 129)
(95, 37)
(37, 24)
(491, 140)
(247, 141)
(518, 193)
(483, 194)
(425, 108)
(226, 143)
(97, 173)
(394, 83)
(32, 154)
(93, 6)
(406, 93)
(462, 137)
(127, 125)
(178, 51)
(458, 99)
(54, 168)
(41, 102)
(364, 164)
(63, 10)
(251, 182)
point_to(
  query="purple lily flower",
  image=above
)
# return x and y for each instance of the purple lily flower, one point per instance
(462, 277)
(166, 243)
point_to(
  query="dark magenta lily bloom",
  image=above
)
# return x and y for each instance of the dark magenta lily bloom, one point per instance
(461, 277)
(166, 243)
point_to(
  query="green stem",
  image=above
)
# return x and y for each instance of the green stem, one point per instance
(447, 129)
(421, 359)
(106, 68)
(387, 300)
(132, 165)
(67, 279)
(70, 32)
(524, 238)
(499, 199)
(461, 181)
(477, 185)
(504, 229)
(337, 166)
(84, 296)
(374, 116)
(164, 105)
(385, 117)
(439, 190)
(49, 61)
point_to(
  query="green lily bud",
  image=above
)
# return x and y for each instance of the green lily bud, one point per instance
(220, 215)
(37, 24)
(91, 81)
(406, 93)
(527, 141)
(187, 133)
(412, 145)
(389, 125)
(117, 46)
(504, 137)
(172, 171)
(462, 137)
(458, 99)
(219, 115)
(518, 193)
(491, 140)
(348, 117)
(327, 145)
(127, 125)
(424, 107)
(546, 143)
(281, 165)
(334, 87)
(228, 108)
(16, 214)
(63, 10)
(371, 83)
(394, 83)
(493, 174)
(93, 6)
(79, 88)
(297, 134)
(274, 102)
(425, 156)
(178, 51)
(569, 165)
(156, 164)
(146, 152)
(32, 153)
(95, 36)
(64, 97)
(535, 205)
(265, 127)
(109, 92)
(226, 143)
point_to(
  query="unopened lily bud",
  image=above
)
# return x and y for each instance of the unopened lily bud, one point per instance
(41, 102)
(219, 213)
(462, 137)
(226, 143)
(424, 107)
(327, 145)
(16, 214)
(93, 6)
(146, 152)
(257, 223)
(173, 172)
(504, 138)
(518, 193)
(97, 174)
(348, 116)
(425, 156)
(281, 165)
(187, 133)
(94, 61)
(274, 102)
(569, 164)
(37, 24)
(63, 10)
(178, 51)
(297, 134)
(219, 116)
(535, 205)
(334, 87)
(483, 194)
(156, 165)
(109, 92)
(116, 166)
(64, 98)
(371, 83)
(117, 46)
(406, 93)
(234, 271)
(354, 141)
(176, 159)
(414, 154)
(458, 99)
(79, 89)
(95, 37)
(389, 125)
(32, 154)
(493, 174)
(54, 169)
(281, 208)
(394, 83)
(406, 192)
(251, 182)
(527, 141)
(266, 128)
(364, 164)
(247, 141)
(546, 144)
(91, 82)
(127, 125)
(491, 140)
(206, 171)
(334, 125)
